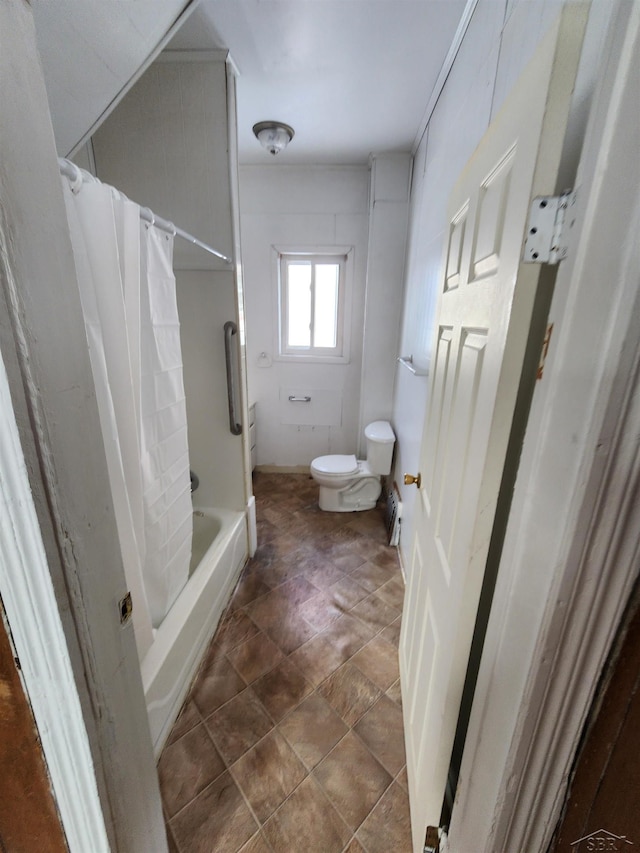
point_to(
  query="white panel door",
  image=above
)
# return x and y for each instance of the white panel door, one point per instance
(486, 304)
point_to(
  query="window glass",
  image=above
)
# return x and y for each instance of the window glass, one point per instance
(299, 305)
(326, 305)
(312, 297)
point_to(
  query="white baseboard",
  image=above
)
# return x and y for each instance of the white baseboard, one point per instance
(282, 469)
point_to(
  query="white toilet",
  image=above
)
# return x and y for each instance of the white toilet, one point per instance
(347, 484)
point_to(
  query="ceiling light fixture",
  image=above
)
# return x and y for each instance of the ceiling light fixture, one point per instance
(273, 135)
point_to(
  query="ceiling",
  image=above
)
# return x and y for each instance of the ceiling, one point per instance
(351, 77)
(90, 50)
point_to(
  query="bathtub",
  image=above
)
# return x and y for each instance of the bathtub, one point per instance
(220, 550)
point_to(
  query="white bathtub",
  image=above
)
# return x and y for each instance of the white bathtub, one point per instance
(220, 537)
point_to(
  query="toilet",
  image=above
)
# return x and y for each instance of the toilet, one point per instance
(348, 484)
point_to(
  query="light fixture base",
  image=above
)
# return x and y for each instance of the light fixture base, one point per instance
(273, 135)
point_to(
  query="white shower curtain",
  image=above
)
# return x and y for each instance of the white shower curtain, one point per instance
(127, 290)
(164, 446)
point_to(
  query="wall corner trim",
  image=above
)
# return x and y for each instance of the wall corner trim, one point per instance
(447, 65)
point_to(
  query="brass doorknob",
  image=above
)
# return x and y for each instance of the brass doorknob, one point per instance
(409, 480)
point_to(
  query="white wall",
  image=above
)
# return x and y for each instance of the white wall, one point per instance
(355, 206)
(165, 145)
(498, 43)
(305, 207)
(388, 216)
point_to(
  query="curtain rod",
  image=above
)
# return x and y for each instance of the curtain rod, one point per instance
(77, 176)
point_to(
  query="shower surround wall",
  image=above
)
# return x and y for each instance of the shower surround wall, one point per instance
(167, 146)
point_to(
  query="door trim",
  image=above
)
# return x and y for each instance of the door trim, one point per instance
(580, 459)
(32, 614)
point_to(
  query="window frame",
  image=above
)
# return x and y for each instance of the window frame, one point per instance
(342, 255)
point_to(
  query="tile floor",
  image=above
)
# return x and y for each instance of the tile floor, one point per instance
(291, 737)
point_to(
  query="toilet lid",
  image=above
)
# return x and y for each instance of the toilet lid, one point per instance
(336, 464)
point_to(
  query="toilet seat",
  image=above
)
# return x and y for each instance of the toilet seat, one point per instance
(336, 465)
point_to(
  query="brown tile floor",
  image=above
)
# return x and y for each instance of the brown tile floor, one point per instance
(291, 737)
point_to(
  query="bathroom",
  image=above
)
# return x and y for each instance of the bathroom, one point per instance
(362, 210)
(180, 162)
(300, 407)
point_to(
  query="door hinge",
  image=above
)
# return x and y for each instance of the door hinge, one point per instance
(432, 840)
(547, 228)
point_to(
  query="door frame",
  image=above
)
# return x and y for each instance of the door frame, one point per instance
(571, 554)
(63, 578)
(38, 638)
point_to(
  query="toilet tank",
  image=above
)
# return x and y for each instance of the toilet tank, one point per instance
(380, 440)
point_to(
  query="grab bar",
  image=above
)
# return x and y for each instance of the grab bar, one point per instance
(230, 329)
(294, 399)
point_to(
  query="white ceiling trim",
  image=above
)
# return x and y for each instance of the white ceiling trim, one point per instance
(216, 55)
(460, 33)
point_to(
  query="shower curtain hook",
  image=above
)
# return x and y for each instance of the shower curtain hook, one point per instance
(73, 173)
(148, 215)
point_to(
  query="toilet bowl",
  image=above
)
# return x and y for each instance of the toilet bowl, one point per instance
(348, 484)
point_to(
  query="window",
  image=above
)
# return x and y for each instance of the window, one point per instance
(312, 298)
